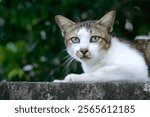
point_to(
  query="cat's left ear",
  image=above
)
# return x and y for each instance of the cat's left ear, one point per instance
(108, 20)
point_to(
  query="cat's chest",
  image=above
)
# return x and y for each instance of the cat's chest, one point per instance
(88, 68)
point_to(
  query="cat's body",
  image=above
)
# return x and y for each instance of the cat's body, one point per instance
(143, 46)
(103, 57)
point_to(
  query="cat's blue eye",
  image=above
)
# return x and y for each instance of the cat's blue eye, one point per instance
(94, 39)
(75, 40)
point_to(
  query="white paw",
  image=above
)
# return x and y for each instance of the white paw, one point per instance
(58, 81)
(71, 78)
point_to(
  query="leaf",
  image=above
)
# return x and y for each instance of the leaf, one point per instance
(15, 72)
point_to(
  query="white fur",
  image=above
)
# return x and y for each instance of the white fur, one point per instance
(119, 62)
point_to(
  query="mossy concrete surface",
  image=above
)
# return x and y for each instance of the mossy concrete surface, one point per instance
(74, 91)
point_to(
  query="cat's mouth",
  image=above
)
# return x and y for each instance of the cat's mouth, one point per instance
(85, 58)
(82, 56)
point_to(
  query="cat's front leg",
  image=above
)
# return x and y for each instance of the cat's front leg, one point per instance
(58, 81)
(70, 78)
(79, 78)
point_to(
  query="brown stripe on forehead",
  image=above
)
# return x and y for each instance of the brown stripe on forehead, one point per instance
(87, 24)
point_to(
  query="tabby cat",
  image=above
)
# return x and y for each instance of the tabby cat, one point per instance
(102, 56)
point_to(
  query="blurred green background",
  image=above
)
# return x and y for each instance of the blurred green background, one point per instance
(31, 45)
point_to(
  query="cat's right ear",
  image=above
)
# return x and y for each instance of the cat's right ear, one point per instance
(63, 23)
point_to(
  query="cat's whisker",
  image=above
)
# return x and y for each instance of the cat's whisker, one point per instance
(59, 55)
(68, 64)
(62, 52)
(66, 57)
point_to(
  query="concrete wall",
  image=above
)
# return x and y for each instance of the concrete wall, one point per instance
(79, 91)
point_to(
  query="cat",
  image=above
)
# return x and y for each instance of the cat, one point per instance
(102, 56)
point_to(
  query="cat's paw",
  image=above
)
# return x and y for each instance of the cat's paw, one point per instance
(59, 81)
(71, 78)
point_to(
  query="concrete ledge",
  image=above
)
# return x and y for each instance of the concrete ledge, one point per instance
(74, 91)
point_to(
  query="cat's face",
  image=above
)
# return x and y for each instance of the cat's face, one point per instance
(86, 44)
(87, 41)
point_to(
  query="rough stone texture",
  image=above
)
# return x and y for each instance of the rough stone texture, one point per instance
(74, 91)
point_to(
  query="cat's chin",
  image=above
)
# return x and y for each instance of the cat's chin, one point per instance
(85, 59)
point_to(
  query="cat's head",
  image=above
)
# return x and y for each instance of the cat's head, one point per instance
(89, 40)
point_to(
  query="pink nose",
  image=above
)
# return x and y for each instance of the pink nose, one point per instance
(84, 50)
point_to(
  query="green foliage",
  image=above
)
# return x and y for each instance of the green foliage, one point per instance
(31, 46)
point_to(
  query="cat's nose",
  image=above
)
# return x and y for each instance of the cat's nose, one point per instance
(84, 50)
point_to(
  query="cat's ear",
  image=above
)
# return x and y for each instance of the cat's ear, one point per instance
(108, 20)
(63, 22)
